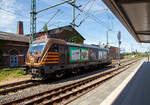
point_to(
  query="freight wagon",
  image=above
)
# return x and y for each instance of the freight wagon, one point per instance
(56, 57)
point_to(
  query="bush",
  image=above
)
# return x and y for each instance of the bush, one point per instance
(6, 73)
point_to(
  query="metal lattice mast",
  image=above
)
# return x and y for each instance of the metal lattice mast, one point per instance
(33, 20)
(73, 14)
(33, 14)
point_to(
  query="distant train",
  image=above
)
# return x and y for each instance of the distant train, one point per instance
(56, 57)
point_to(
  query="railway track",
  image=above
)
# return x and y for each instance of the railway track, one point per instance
(11, 88)
(122, 61)
(17, 86)
(67, 93)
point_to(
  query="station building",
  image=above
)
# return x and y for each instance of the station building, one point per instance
(13, 47)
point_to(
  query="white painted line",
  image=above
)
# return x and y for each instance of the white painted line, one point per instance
(111, 98)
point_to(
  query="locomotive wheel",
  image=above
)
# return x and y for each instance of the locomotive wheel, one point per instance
(74, 71)
(59, 74)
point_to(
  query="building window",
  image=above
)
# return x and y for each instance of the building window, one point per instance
(13, 52)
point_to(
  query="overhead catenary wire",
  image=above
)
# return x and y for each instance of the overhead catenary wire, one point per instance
(10, 12)
(16, 15)
(53, 16)
(47, 14)
(93, 17)
(82, 8)
(86, 15)
(109, 15)
(54, 24)
(50, 19)
(89, 15)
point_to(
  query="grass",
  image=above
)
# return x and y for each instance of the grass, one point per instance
(8, 73)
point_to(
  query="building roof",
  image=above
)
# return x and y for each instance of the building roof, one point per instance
(134, 15)
(68, 28)
(13, 37)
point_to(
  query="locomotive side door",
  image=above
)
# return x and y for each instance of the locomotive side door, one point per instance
(62, 52)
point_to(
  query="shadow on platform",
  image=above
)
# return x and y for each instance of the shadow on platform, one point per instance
(137, 91)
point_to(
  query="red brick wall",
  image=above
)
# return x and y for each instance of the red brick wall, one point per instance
(20, 60)
(20, 47)
(114, 52)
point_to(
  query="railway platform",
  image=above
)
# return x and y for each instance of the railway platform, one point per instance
(131, 87)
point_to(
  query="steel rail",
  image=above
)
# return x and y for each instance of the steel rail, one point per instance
(70, 91)
(17, 86)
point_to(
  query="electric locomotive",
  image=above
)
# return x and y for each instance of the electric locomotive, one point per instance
(55, 57)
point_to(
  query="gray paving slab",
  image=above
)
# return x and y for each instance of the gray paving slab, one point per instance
(137, 92)
(98, 95)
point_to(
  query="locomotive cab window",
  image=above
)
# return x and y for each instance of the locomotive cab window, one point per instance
(37, 47)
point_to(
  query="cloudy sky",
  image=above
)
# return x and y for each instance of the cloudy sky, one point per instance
(97, 19)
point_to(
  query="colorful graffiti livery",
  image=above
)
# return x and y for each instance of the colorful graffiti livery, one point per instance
(74, 54)
(84, 54)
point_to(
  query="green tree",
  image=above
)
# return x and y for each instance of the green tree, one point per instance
(45, 27)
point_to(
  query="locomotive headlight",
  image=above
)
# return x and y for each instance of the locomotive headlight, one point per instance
(32, 60)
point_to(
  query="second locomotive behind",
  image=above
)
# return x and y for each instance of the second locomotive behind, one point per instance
(55, 57)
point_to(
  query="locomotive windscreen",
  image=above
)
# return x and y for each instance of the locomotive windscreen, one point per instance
(36, 47)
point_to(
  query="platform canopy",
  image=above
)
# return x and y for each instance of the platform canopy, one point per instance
(134, 15)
